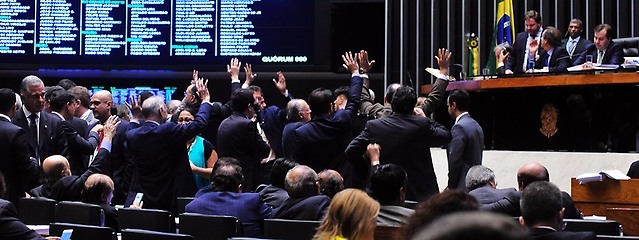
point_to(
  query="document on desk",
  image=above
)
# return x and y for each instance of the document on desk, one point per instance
(598, 177)
(435, 72)
(595, 67)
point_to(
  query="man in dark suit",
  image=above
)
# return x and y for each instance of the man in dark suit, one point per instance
(10, 226)
(405, 140)
(45, 134)
(467, 144)
(305, 201)
(121, 160)
(298, 113)
(238, 137)
(480, 181)
(575, 44)
(518, 61)
(550, 56)
(542, 212)
(274, 194)
(162, 170)
(14, 160)
(388, 187)
(60, 184)
(604, 50)
(224, 197)
(320, 143)
(63, 104)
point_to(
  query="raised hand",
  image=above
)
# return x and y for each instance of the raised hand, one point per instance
(134, 106)
(364, 64)
(280, 82)
(195, 76)
(372, 151)
(443, 60)
(350, 63)
(249, 74)
(233, 68)
(110, 127)
(202, 90)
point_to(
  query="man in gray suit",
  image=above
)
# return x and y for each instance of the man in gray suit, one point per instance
(480, 181)
(465, 148)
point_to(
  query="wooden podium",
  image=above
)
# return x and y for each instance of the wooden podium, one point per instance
(617, 200)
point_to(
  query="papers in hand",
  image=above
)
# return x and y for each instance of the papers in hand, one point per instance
(436, 73)
(598, 177)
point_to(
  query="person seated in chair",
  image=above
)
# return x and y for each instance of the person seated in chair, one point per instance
(225, 198)
(305, 201)
(10, 226)
(274, 194)
(388, 187)
(331, 182)
(98, 190)
(480, 181)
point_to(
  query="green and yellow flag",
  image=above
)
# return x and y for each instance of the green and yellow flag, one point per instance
(473, 55)
(504, 30)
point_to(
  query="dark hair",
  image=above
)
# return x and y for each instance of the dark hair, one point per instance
(386, 182)
(404, 100)
(343, 90)
(7, 100)
(540, 202)
(228, 178)
(534, 15)
(241, 98)
(144, 95)
(608, 28)
(82, 93)
(225, 161)
(48, 90)
(526, 178)
(66, 84)
(578, 22)
(59, 98)
(320, 101)
(552, 35)
(460, 97)
(447, 202)
(255, 88)
(279, 170)
(331, 185)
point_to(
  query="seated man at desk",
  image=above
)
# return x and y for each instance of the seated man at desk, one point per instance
(551, 56)
(603, 51)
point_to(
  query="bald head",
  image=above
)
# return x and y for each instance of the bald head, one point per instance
(331, 182)
(301, 182)
(55, 167)
(531, 172)
(101, 102)
(98, 189)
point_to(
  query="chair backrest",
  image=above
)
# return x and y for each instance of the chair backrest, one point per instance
(36, 211)
(629, 45)
(138, 234)
(210, 226)
(290, 229)
(182, 202)
(387, 232)
(82, 232)
(600, 227)
(607, 237)
(146, 219)
(79, 213)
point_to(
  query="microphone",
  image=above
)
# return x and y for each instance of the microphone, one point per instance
(588, 49)
(410, 79)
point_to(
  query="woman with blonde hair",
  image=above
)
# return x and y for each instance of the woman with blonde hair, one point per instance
(351, 215)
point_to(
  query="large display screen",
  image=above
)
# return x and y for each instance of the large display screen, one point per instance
(157, 34)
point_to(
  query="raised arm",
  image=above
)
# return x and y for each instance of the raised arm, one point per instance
(436, 95)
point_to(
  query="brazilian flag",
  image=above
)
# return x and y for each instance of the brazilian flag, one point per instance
(504, 30)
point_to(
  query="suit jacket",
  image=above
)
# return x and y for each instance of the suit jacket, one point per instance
(272, 195)
(162, 169)
(52, 138)
(81, 144)
(122, 166)
(376, 110)
(238, 138)
(69, 188)
(288, 138)
(405, 140)
(15, 163)
(247, 207)
(582, 44)
(516, 60)
(273, 120)
(320, 143)
(464, 150)
(548, 234)
(11, 227)
(310, 208)
(633, 171)
(559, 61)
(613, 54)
(510, 205)
(488, 195)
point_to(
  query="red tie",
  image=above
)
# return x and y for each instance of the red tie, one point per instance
(100, 142)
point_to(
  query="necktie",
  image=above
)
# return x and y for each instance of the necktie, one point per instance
(33, 134)
(548, 60)
(600, 55)
(571, 47)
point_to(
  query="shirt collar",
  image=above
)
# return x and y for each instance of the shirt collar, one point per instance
(27, 113)
(154, 122)
(459, 117)
(58, 114)
(575, 40)
(5, 117)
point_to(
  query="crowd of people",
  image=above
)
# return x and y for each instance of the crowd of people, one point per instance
(335, 156)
